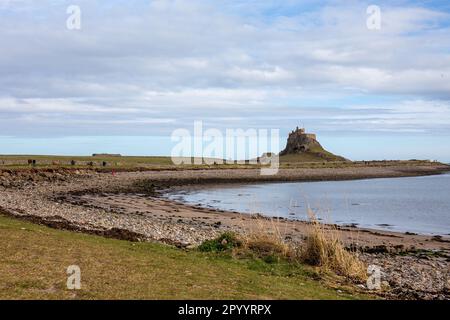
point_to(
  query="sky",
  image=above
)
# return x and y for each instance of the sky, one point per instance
(137, 70)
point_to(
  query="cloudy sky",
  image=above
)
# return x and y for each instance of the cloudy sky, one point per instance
(139, 69)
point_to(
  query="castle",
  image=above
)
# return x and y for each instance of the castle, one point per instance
(299, 141)
(302, 132)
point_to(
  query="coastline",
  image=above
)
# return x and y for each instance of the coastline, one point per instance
(199, 196)
(129, 206)
(84, 189)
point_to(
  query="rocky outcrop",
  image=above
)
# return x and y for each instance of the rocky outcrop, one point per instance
(300, 142)
(304, 147)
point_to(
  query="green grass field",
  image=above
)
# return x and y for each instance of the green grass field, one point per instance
(46, 160)
(314, 154)
(130, 163)
(14, 162)
(34, 260)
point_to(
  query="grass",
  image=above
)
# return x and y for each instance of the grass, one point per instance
(119, 163)
(266, 242)
(313, 159)
(34, 260)
(324, 249)
(226, 241)
(42, 161)
(314, 154)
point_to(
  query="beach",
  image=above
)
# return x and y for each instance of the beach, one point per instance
(132, 206)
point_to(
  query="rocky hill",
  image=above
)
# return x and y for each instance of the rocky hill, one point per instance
(302, 146)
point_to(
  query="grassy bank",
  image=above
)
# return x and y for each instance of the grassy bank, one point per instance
(34, 259)
(129, 163)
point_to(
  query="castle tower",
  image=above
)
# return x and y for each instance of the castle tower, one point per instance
(299, 142)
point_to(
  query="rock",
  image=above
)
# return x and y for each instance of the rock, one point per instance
(385, 285)
(299, 141)
(361, 286)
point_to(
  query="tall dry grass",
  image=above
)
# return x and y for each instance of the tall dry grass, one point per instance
(265, 239)
(322, 247)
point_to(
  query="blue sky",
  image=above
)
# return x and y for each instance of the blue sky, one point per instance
(137, 70)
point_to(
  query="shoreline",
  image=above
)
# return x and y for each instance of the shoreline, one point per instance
(175, 194)
(250, 176)
(161, 183)
(129, 206)
(340, 226)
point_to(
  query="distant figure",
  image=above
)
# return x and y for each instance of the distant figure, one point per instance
(33, 163)
(90, 163)
(104, 163)
(30, 162)
(73, 162)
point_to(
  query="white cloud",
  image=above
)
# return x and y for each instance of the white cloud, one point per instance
(162, 63)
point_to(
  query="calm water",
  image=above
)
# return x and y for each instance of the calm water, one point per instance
(418, 204)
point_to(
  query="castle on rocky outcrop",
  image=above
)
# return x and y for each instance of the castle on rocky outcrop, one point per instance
(299, 141)
(301, 132)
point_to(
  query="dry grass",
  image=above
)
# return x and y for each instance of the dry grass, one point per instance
(266, 241)
(324, 248)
